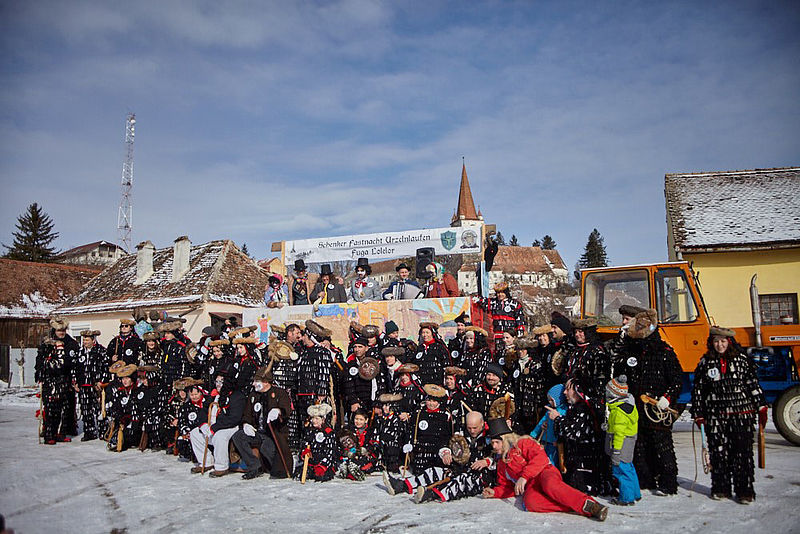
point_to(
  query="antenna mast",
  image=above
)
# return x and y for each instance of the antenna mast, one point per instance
(124, 219)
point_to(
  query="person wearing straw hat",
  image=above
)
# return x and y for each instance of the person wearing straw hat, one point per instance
(432, 429)
(126, 428)
(52, 375)
(506, 313)
(126, 345)
(87, 372)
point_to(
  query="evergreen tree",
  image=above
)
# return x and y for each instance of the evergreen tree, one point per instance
(513, 242)
(500, 239)
(536, 243)
(33, 236)
(244, 250)
(594, 254)
(548, 243)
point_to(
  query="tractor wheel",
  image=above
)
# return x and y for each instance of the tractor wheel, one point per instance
(786, 414)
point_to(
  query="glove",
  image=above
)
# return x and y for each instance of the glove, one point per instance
(306, 452)
(388, 296)
(615, 457)
(319, 470)
(273, 415)
(205, 428)
(762, 416)
(408, 448)
(663, 403)
(699, 421)
(249, 429)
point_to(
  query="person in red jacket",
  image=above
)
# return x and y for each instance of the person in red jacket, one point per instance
(440, 284)
(524, 469)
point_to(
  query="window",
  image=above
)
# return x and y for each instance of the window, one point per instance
(75, 329)
(674, 300)
(778, 306)
(605, 292)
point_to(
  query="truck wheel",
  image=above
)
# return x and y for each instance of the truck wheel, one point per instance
(786, 415)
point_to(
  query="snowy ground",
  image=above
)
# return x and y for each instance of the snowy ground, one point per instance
(81, 487)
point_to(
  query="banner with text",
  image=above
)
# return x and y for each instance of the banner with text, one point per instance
(384, 245)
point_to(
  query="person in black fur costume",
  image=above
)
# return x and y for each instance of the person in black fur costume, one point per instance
(726, 397)
(587, 364)
(653, 369)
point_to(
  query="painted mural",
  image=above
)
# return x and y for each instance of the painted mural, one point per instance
(408, 314)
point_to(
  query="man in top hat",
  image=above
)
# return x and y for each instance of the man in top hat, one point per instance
(299, 284)
(403, 287)
(87, 373)
(126, 346)
(328, 289)
(364, 288)
(506, 312)
(265, 427)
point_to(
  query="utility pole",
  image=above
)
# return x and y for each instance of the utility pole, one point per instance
(125, 217)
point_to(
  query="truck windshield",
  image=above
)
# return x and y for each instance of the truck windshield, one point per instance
(675, 302)
(605, 292)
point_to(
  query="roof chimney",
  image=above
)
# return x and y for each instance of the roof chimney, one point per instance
(144, 261)
(180, 257)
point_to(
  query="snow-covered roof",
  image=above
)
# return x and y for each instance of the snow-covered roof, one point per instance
(734, 209)
(218, 272)
(32, 290)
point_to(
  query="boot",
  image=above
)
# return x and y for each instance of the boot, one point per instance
(255, 473)
(88, 437)
(595, 510)
(197, 469)
(61, 438)
(394, 485)
(424, 494)
(217, 474)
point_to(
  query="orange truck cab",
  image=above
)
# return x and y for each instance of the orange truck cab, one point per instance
(672, 290)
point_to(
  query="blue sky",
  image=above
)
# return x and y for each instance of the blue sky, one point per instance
(263, 121)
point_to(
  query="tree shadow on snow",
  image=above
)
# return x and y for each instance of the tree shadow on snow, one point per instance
(701, 489)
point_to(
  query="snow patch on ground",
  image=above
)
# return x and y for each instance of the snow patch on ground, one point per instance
(81, 487)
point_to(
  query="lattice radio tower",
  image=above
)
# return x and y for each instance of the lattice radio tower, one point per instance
(125, 218)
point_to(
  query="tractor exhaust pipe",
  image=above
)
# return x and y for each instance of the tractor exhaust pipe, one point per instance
(755, 308)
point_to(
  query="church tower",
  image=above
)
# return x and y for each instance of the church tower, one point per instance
(465, 214)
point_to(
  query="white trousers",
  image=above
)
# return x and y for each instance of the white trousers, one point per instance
(219, 441)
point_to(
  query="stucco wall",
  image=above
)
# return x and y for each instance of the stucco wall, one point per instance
(725, 280)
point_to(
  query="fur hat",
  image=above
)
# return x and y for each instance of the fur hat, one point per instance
(245, 340)
(369, 368)
(58, 323)
(584, 324)
(370, 330)
(617, 387)
(498, 407)
(242, 331)
(630, 311)
(390, 327)
(179, 384)
(407, 368)
(525, 343)
(720, 331)
(477, 330)
(454, 371)
(90, 333)
(282, 350)
(557, 319)
(278, 328)
(402, 265)
(127, 322)
(429, 324)
(498, 427)
(263, 374)
(459, 448)
(388, 398)
(170, 326)
(643, 324)
(150, 336)
(127, 370)
(319, 410)
(435, 391)
(219, 342)
(191, 352)
(393, 351)
(495, 368)
(116, 366)
(315, 329)
(501, 287)
(355, 326)
(149, 369)
(544, 329)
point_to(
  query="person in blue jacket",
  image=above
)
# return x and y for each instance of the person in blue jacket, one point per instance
(545, 430)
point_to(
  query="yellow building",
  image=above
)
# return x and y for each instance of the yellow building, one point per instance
(733, 225)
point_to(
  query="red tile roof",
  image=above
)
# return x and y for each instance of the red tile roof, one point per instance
(521, 260)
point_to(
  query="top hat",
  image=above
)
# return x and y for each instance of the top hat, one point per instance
(300, 265)
(324, 269)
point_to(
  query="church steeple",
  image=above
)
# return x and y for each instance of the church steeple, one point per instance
(465, 211)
